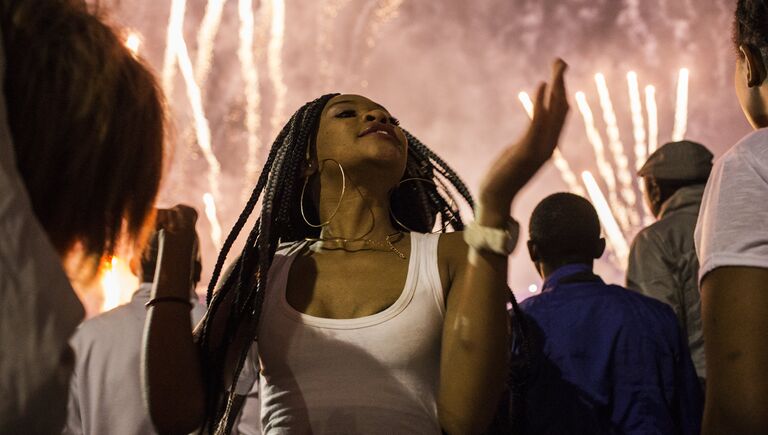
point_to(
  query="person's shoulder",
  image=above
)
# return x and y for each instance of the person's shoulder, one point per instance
(96, 328)
(452, 247)
(752, 150)
(638, 306)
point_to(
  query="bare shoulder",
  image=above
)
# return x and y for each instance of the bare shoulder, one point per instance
(452, 252)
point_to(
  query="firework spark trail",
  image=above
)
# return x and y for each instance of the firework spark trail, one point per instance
(175, 28)
(206, 38)
(653, 118)
(638, 122)
(252, 97)
(611, 227)
(604, 168)
(385, 12)
(202, 128)
(681, 108)
(327, 17)
(210, 212)
(275, 62)
(623, 176)
(557, 157)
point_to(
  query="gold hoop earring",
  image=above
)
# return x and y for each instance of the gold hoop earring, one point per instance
(336, 210)
(432, 182)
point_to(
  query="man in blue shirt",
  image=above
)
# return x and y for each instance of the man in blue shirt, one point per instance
(604, 359)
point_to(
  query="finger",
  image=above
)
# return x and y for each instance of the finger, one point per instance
(558, 97)
(539, 111)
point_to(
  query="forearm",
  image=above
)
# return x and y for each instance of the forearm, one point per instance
(171, 371)
(735, 319)
(475, 338)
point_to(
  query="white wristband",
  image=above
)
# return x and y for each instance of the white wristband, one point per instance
(496, 240)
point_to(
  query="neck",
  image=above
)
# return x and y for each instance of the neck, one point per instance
(548, 268)
(362, 213)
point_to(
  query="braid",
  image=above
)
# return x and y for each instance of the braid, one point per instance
(247, 281)
(279, 189)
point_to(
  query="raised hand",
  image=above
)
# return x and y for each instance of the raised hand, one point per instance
(177, 248)
(518, 163)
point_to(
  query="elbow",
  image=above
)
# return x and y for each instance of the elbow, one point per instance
(177, 418)
(453, 423)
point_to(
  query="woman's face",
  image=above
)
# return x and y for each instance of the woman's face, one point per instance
(363, 137)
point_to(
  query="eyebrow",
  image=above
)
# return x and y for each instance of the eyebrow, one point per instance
(353, 102)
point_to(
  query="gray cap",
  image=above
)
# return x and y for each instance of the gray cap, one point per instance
(684, 160)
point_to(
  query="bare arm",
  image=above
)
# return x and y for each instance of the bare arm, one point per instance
(735, 317)
(173, 385)
(473, 364)
(173, 379)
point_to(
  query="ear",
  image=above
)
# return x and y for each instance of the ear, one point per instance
(309, 168)
(754, 68)
(533, 252)
(600, 248)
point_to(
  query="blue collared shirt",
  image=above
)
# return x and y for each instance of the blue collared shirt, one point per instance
(607, 360)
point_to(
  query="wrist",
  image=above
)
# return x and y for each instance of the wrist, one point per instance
(492, 215)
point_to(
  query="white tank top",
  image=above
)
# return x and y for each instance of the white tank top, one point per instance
(370, 375)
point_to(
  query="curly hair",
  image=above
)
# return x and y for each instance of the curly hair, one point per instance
(750, 25)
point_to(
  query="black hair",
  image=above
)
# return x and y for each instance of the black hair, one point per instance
(88, 123)
(667, 188)
(418, 205)
(750, 25)
(565, 229)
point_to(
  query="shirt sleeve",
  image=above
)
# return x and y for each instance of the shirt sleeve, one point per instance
(38, 309)
(732, 228)
(648, 273)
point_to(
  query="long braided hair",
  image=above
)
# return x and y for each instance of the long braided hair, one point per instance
(419, 206)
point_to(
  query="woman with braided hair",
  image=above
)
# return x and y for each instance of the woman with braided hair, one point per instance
(365, 321)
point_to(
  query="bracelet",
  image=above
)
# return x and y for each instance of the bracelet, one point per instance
(154, 301)
(495, 240)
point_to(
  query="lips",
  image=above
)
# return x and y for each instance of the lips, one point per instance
(382, 129)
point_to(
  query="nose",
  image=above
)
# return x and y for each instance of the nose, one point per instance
(377, 115)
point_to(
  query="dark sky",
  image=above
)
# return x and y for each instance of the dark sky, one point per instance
(451, 71)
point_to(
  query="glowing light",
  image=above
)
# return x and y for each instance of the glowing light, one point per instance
(175, 31)
(611, 227)
(133, 42)
(202, 129)
(557, 157)
(210, 212)
(205, 39)
(252, 96)
(638, 124)
(604, 168)
(653, 118)
(275, 62)
(533, 288)
(681, 108)
(623, 176)
(385, 11)
(117, 283)
(527, 103)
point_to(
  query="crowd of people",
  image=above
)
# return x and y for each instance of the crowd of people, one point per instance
(361, 302)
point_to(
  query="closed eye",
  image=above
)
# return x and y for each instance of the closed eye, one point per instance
(346, 114)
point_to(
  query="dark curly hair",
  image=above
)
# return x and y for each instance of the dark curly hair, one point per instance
(750, 25)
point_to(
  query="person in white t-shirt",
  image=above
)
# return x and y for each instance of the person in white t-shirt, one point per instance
(73, 171)
(732, 244)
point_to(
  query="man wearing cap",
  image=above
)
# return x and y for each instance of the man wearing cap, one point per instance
(662, 261)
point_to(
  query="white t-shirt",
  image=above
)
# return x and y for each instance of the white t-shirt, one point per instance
(732, 229)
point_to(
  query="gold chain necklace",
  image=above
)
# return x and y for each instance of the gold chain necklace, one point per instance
(367, 244)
